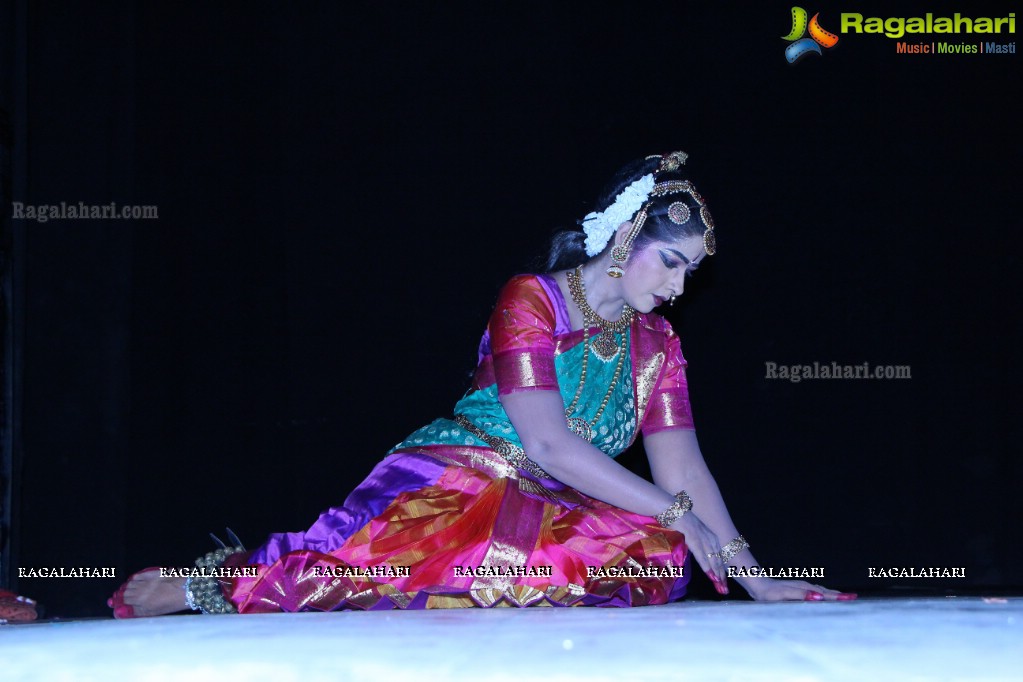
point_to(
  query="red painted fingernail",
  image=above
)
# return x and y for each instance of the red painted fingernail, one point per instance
(847, 596)
(813, 596)
(721, 587)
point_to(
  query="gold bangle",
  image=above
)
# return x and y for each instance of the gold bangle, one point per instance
(676, 511)
(733, 548)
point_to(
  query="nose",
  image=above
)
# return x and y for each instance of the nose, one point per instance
(679, 284)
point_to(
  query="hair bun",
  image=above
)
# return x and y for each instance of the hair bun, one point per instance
(670, 162)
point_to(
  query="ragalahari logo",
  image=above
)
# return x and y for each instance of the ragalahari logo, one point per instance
(801, 46)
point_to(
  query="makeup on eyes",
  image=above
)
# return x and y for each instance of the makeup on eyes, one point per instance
(670, 262)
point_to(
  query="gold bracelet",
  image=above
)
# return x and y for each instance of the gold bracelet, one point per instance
(733, 548)
(676, 511)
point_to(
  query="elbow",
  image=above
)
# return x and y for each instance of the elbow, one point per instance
(540, 451)
(547, 453)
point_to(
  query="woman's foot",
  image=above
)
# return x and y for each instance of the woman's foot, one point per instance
(148, 594)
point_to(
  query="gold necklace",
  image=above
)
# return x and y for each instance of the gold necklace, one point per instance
(578, 425)
(604, 345)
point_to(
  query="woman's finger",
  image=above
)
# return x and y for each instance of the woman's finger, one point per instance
(703, 545)
(705, 560)
(810, 592)
(834, 595)
(714, 568)
(720, 570)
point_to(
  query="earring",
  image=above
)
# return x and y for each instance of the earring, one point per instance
(619, 254)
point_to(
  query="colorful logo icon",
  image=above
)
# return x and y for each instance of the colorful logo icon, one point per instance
(801, 46)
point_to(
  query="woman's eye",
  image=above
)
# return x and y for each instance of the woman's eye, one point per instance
(669, 262)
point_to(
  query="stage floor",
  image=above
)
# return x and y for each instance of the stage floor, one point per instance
(949, 638)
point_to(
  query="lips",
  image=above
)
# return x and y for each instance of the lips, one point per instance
(658, 300)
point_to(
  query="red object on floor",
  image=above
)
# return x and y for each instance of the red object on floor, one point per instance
(14, 608)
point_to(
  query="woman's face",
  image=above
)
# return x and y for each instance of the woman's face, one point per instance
(658, 272)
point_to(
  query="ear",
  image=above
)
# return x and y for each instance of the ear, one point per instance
(622, 232)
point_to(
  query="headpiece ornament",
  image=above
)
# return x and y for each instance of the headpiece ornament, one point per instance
(632, 204)
(600, 226)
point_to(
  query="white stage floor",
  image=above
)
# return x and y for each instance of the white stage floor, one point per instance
(950, 638)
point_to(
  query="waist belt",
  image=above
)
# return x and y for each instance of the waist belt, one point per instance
(512, 453)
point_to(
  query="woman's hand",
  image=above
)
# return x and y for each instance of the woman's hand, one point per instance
(773, 589)
(703, 544)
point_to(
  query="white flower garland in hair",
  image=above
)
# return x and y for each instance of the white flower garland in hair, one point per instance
(600, 226)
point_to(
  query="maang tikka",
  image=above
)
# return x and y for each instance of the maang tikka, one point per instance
(680, 213)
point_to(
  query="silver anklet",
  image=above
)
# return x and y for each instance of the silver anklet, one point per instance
(203, 592)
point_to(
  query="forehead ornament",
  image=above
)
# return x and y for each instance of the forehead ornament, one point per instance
(678, 213)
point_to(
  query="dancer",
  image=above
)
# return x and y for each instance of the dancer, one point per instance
(517, 499)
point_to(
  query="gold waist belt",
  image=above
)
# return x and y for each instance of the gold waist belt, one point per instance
(512, 453)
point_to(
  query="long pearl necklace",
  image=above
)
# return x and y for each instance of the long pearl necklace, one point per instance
(578, 425)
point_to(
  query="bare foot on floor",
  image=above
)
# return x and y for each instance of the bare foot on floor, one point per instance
(147, 594)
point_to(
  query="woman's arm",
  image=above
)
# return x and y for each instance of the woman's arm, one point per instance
(676, 463)
(539, 420)
(521, 339)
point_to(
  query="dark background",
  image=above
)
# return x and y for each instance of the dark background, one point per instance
(342, 189)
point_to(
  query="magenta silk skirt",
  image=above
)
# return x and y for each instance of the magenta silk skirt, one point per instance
(442, 526)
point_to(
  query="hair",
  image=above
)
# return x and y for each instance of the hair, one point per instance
(568, 247)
